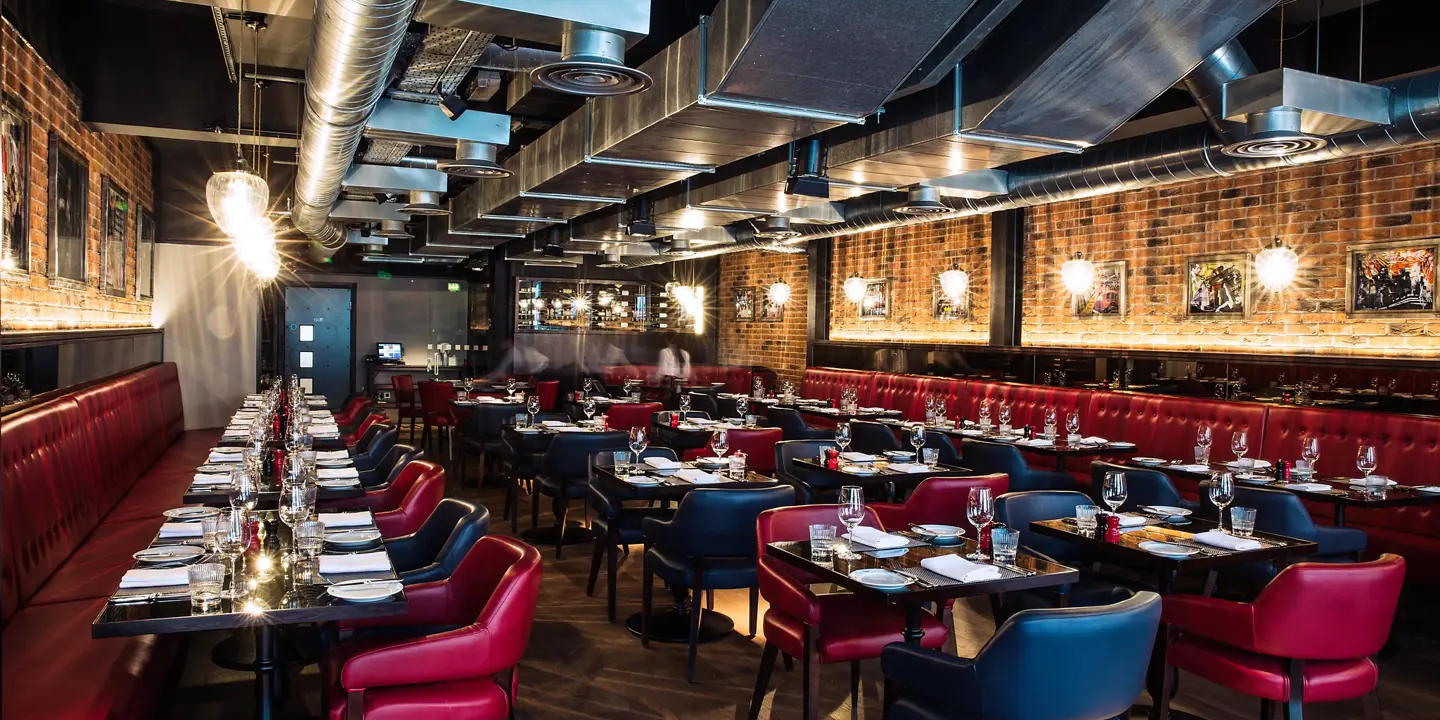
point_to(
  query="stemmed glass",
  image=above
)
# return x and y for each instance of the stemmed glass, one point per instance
(720, 441)
(532, 406)
(1072, 423)
(589, 408)
(842, 436)
(509, 386)
(1005, 416)
(851, 512)
(1113, 492)
(1366, 459)
(242, 492)
(1203, 439)
(980, 511)
(1310, 451)
(638, 442)
(1222, 493)
(984, 417)
(917, 438)
(1239, 444)
(231, 540)
(1050, 422)
(684, 404)
(469, 384)
(297, 502)
(742, 406)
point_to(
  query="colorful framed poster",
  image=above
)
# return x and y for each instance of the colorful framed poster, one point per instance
(770, 311)
(1107, 295)
(14, 186)
(875, 303)
(115, 221)
(1395, 278)
(1217, 286)
(744, 302)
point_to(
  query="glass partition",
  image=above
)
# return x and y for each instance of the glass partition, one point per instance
(543, 305)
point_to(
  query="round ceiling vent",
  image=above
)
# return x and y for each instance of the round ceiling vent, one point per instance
(1274, 133)
(474, 159)
(777, 227)
(923, 200)
(592, 63)
(393, 229)
(423, 202)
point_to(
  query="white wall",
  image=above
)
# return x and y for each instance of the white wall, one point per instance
(209, 306)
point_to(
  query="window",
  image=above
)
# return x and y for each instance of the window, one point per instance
(14, 187)
(69, 181)
(115, 221)
(144, 254)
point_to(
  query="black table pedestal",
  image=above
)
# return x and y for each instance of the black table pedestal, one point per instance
(269, 672)
(672, 624)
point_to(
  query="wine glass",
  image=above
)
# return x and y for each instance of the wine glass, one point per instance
(685, 403)
(1222, 493)
(510, 386)
(1050, 421)
(589, 408)
(231, 539)
(1366, 459)
(1113, 492)
(1239, 444)
(984, 415)
(1374, 382)
(1072, 423)
(469, 385)
(1310, 451)
(589, 384)
(638, 441)
(742, 406)
(532, 406)
(1203, 437)
(243, 492)
(842, 436)
(851, 512)
(917, 438)
(720, 441)
(979, 510)
(1005, 416)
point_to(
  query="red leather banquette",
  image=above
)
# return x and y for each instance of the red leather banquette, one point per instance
(85, 478)
(736, 379)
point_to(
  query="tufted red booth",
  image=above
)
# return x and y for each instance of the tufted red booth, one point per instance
(83, 480)
(827, 383)
(736, 379)
(905, 393)
(758, 445)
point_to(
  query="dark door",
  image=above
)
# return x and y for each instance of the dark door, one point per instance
(318, 340)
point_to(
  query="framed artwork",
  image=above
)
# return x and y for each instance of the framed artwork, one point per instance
(946, 307)
(69, 208)
(744, 304)
(1107, 295)
(14, 186)
(144, 254)
(1217, 286)
(114, 222)
(770, 311)
(480, 306)
(875, 303)
(1395, 278)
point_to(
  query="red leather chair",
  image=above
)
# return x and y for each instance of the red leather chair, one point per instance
(1308, 637)
(351, 412)
(547, 391)
(939, 500)
(420, 500)
(820, 629)
(758, 444)
(435, 400)
(391, 496)
(465, 673)
(624, 416)
(405, 402)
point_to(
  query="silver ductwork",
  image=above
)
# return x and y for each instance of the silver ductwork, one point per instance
(352, 47)
(1207, 87)
(1287, 112)
(592, 63)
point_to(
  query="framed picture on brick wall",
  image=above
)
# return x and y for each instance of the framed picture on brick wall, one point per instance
(14, 186)
(1106, 297)
(1394, 278)
(1218, 286)
(144, 254)
(744, 302)
(770, 311)
(68, 211)
(875, 303)
(946, 307)
(115, 221)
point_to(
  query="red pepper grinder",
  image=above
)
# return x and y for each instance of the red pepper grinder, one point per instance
(832, 458)
(1112, 528)
(984, 541)
(278, 466)
(675, 420)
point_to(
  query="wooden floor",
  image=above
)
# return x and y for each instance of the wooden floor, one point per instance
(580, 666)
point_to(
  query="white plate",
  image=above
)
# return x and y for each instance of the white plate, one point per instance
(352, 537)
(1121, 445)
(190, 513)
(366, 591)
(890, 553)
(1167, 549)
(1429, 488)
(940, 531)
(899, 454)
(216, 469)
(711, 462)
(1147, 461)
(334, 463)
(1169, 510)
(643, 481)
(1255, 479)
(168, 554)
(881, 579)
(1254, 464)
(337, 482)
(859, 469)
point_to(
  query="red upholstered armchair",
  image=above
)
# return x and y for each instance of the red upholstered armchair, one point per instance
(347, 415)
(391, 496)
(623, 416)
(365, 424)
(939, 500)
(758, 444)
(820, 629)
(469, 672)
(419, 501)
(435, 400)
(1308, 637)
(547, 391)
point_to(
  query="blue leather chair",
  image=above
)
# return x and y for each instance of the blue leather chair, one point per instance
(433, 551)
(704, 402)
(383, 471)
(987, 458)
(807, 483)
(618, 527)
(480, 433)
(1017, 510)
(521, 456)
(1282, 513)
(932, 685)
(382, 437)
(873, 437)
(565, 474)
(948, 454)
(792, 424)
(362, 446)
(1142, 487)
(709, 545)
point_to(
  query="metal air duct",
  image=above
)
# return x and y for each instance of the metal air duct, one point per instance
(592, 63)
(475, 160)
(1206, 84)
(393, 230)
(1287, 112)
(423, 202)
(776, 227)
(923, 200)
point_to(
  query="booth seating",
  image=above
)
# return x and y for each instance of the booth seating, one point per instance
(84, 478)
(1164, 426)
(736, 379)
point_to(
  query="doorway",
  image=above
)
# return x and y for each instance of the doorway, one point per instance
(320, 339)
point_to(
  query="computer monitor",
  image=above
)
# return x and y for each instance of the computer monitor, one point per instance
(389, 351)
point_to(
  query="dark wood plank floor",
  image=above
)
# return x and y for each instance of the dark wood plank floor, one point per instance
(580, 666)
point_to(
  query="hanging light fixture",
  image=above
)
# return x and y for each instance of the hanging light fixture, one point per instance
(1276, 266)
(236, 198)
(855, 288)
(954, 282)
(779, 293)
(254, 244)
(1078, 274)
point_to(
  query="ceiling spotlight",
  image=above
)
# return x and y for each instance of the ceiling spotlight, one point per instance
(1078, 275)
(474, 159)
(453, 105)
(954, 282)
(423, 202)
(777, 227)
(394, 229)
(1276, 266)
(592, 63)
(923, 200)
(779, 293)
(855, 288)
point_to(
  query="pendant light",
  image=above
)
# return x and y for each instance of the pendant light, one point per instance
(954, 282)
(779, 292)
(855, 288)
(238, 198)
(1276, 266)
(1078, 274)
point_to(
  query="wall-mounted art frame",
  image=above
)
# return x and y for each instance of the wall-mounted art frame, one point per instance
(14, 186)
(1217, 286)
(1392, 278)
(770, 311)
(144, 254)
(1106, 297)
(875, 303)
(114, 236)
(69, 211)
(945, 307)
(743, 301)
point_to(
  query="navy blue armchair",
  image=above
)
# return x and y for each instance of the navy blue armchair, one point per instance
(1142, 487)
(1282, 513)
(383, 471)
(565, 474)
(384, 438)
(704, 402)
(1018, 510)
(872, 437)
(792, 424)
(433, 551)
(987, 458)
(522, 455)
(932, 685)
(709, 545)
(805, 481)
(617, 527)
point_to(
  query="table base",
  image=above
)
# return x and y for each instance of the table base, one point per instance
(546, 536)
(237, 652)
(668, 625)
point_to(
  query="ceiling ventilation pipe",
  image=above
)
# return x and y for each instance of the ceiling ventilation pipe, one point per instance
(352, 46)
(1206, 84)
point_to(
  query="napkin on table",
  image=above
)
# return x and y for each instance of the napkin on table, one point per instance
(1128, 520)
(332, 455)
(830, 411)
(1308, 487)
(660, 463)
(336, 473)
(697, 477)
(1215, 538)
(377, 561)
(878, 539)
(347, 519)
(858, 457)
(210, 479)
(958, 568)
(1037, 442)
(553, 423)
(181, 530)
(909, 467)
(1189, 467)
(1377, 478)
(220, 455)
(155, 577)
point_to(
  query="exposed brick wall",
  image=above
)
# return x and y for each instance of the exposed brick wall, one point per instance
(33, 300)
(779, 346)
(1324, 208)
(912, 258)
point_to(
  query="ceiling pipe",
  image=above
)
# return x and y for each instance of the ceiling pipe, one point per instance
(1206, 84)
(353, 44)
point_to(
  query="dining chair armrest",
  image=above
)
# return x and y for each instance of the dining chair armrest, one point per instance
(443, 657)
(404, 552)
(426, 573)
(425, 604)
(655, 531)
(942, 683)
(891, 515)
(1226, 621)
(787, 589)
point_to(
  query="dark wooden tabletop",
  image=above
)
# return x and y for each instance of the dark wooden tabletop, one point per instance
(670, 487)
(885, 474)
(1127, 552)
(1340, 491)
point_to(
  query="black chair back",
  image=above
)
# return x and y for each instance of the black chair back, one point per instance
(804, 480)
(410, 454)
(380, 469)
(790, 423)
(372, 434)
(872, 437)
(1276, 511)
(704, 402)
(422, 547)
(486, 421)
(570, 454)
(1019, 509)
(1142, 487)
(720, 522)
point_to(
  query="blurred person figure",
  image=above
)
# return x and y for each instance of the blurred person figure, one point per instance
(674, 361)
(519, 361)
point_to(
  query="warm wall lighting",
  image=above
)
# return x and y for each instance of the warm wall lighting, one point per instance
(1276, 266)
(855, 288)
(779, 292)
(1078, 274)
(954, 282)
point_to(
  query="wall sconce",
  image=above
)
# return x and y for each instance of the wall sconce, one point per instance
(954, 282)
(1276, 266)
(855, 288)
(779, 292)
(1078, 274)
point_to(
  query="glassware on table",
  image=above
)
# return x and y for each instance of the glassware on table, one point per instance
(210, 532)
(980, 511)
(685, 402)
(309, 538)
(1310, 451)
(1367, 458)
(842, 436)
(244, 491)
(639, 441)
(1204, 437)
(851, 512)
(930, 456)
(822, 543)
(1072, 424)
(509, 386)
(621, 462)
(983, 418)
(589, 409)
(1085, 518)
(469, 384)
(917, 437)
(720, 441)
(1004, 543)
(742, 406)
(1114, 491)
(297, 502)
(253, 459)
(1004, 418)
(206, 582)
(1222, 493)
(233, 537)
(1242, 521)
(522, 420)
(532, 406)
(1202, 455)
(1374, 382)
(1051, 423)
(737, 466)
(1240, 444)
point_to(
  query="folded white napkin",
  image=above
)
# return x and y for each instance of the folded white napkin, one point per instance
(1249, 462)
(336, 473)
(553, 423)
(701, 421)
(697, 477)
(830, 411)
(332, 455)
(1308, 487)
(155, 577)
(1128, 520)
(181, 530)
(878, 539)
(909, 467)
(216, 479)
(872, 409)
(347, 519)
(224, 457)
(324, 428)
(660, 463)
(1094, 440)
(377, 561)
(958, 568)
(1215, 538)
(858, 457)
(972, 433)
(571, 428)
(1429, 488)
(1377, 478)
(1189, 467)
(1037, 442)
